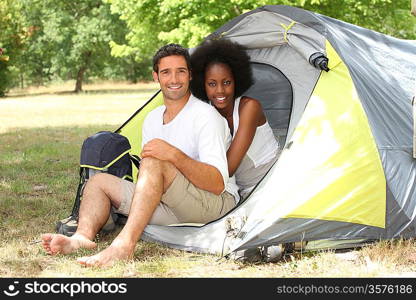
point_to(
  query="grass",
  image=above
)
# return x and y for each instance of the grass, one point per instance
(40, 139)
(55, 107)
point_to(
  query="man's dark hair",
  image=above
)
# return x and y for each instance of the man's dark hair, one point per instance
(168, 50)
(220, 51)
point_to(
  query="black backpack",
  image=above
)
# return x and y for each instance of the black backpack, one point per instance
(103, 152)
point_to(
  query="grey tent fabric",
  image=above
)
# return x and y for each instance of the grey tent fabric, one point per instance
(388, 107)
(274, 91)
(393, 65)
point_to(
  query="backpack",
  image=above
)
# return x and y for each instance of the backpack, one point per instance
(103, 152)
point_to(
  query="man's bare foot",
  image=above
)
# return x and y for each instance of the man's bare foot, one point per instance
(61, 244)
(107, 257)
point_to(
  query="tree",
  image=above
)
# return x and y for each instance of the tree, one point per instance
(71, 39)
(387, 16)
(156, 22)
(12, 40)
(153, 22)
(44, 40)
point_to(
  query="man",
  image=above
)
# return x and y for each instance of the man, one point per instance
(183, 175)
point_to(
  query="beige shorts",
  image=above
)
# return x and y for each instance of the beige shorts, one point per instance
(182, 203)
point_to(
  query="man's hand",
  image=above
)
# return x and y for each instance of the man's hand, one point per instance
(159, 149)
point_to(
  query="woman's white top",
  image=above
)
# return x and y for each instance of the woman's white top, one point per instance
(260, 156)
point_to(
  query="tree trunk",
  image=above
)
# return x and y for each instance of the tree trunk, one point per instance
(413, 9)
(81, 72)
(21, 80)
(80, 78)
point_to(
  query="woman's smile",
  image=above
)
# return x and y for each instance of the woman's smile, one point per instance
(219, 85)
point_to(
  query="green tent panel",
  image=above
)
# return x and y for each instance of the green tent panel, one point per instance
(332, 156)
(346, 174)
(132, 128)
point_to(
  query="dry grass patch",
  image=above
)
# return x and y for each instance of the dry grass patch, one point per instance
(57, 109)
(102, 87)
(40, 142)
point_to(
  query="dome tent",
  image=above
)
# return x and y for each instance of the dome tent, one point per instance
(338, 98)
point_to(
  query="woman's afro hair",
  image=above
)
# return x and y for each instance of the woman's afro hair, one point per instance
(220, 51)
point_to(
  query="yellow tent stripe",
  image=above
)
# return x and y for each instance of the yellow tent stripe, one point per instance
(133, 129)
(346, 180)
(108, 165)
(287, 29)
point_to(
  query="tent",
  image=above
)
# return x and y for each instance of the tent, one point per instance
(339, 99)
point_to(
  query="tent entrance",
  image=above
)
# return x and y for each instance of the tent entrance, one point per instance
(274, 91)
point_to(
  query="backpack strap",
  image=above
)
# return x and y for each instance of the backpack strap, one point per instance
(135, 159)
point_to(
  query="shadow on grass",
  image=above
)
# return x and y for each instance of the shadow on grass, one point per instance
(120, 91)
(85, 92)
(39, 173)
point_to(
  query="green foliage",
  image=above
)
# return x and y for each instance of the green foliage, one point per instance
(46, 40)
(390, 17)
(4, 76)
(153, 23)
(62, 40)
(71, 39)
(12, 39)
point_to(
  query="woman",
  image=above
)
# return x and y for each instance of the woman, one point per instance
(221, 74)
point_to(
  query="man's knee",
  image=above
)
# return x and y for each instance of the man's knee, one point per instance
(100, 181)
(156, 167)
(154, 164)
(107, 184)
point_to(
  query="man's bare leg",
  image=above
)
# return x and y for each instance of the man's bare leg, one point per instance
(155, 176)
(94, 212)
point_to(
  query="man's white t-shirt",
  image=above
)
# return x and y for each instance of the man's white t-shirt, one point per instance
(199, 131)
